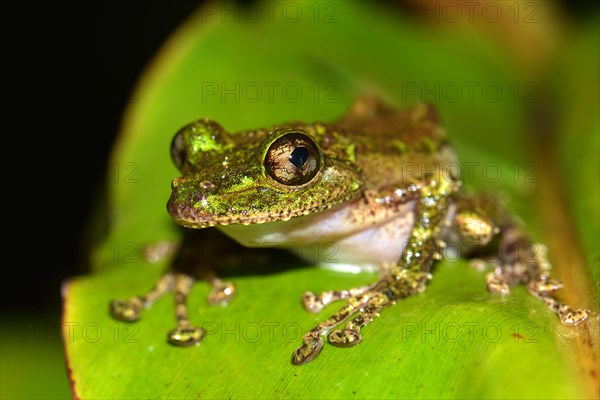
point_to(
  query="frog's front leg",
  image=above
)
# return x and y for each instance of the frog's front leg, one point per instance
(408, 277)
(395, 285)
(188, 264)
(184, 333)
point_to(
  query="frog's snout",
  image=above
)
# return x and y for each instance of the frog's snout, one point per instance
(180, 204)
(188, 204)
(176, 182)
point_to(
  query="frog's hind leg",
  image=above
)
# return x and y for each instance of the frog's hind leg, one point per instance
(521, 261)
(480, 219)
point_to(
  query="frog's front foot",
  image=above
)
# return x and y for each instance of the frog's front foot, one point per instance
(131, 310)
(184, 334)
(220, 292)
(309, 350)
(127, 310)
(362, 306)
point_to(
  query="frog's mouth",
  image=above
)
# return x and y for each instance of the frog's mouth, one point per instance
(195, 206)
(200, 202)
(197, 217)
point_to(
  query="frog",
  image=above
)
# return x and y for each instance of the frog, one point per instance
(347, 183)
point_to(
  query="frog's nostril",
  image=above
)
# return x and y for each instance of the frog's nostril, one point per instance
(176, 182)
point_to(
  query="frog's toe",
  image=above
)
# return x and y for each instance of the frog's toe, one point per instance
(127, 310)
(158, 251)
(496, 283)
(344, 338)
(312, 302)
(185, 335)
(221, 292)
(307, 352)
(572, 317)
(544, 285)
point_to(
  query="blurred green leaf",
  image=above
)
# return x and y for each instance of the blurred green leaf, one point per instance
(453, 341)
(32, 351)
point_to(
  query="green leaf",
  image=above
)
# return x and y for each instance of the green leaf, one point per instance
(32, 347)
(453, 341)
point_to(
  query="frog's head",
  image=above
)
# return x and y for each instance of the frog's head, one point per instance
(257, 176)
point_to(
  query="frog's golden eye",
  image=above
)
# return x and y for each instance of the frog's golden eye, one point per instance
(294, 159)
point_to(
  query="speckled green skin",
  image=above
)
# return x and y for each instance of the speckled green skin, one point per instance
(224, 180)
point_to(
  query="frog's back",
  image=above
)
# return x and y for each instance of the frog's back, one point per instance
(392, 146)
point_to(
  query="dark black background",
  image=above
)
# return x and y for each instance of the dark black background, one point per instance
(71, 69)
(73, 65)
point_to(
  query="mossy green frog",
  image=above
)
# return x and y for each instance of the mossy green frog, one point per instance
(344, 183)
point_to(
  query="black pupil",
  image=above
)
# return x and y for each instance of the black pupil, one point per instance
(299, 156)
